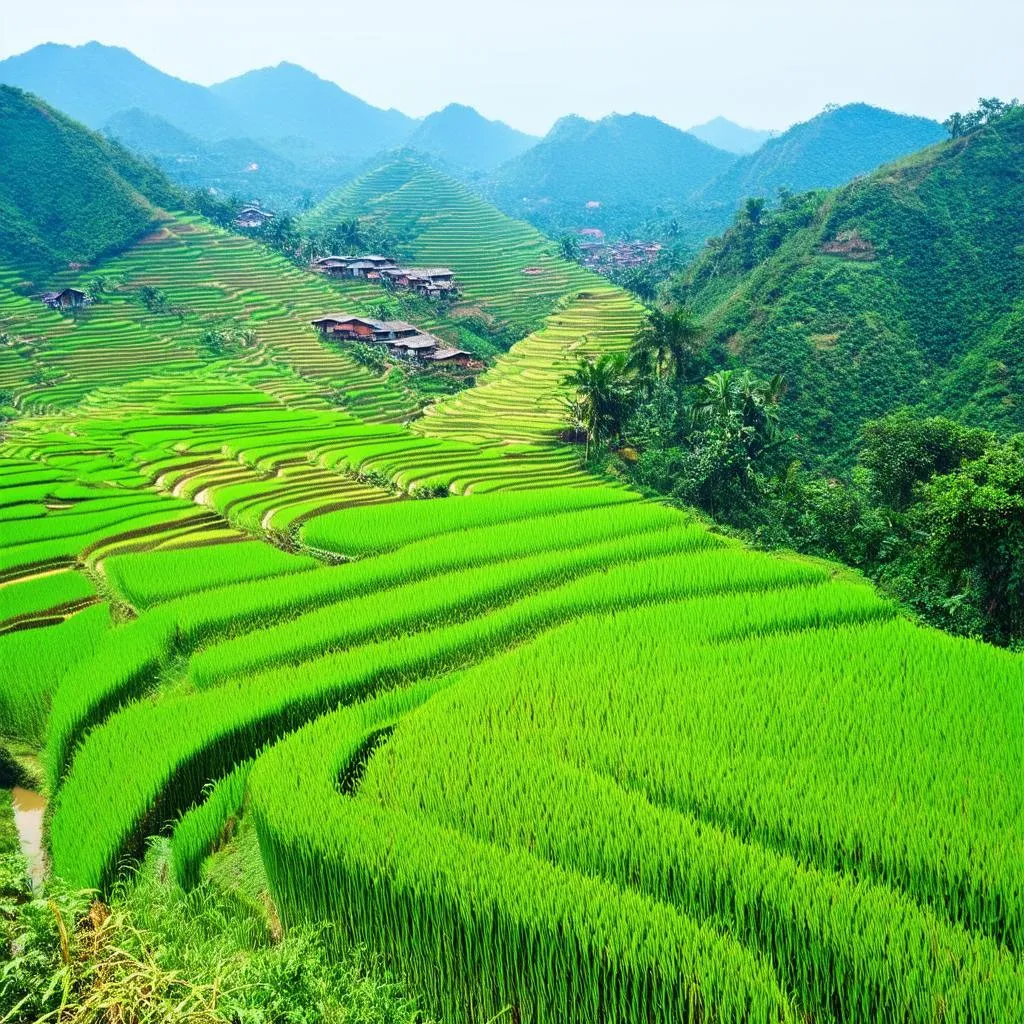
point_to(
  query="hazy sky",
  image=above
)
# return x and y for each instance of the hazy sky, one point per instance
(764, 64)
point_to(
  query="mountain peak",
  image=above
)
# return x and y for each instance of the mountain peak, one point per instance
(730, 136)
(831, 148)
(462, 137)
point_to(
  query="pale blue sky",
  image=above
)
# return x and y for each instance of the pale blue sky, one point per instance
(763, 64)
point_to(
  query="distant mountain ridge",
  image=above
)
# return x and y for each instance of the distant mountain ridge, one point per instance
(286, 109)
(619, 159)
(824, 152)
(464, 138)
(731, 137)
(240, 167)
(93, 82)
(288, 102)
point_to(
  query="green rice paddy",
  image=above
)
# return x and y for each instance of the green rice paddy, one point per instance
(554, 750)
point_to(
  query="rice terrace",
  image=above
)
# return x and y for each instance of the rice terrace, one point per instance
(455, 575)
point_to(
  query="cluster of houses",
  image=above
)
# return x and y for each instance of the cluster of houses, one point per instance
(66, 298)
(401, 339)
(252, 216)
(432, 282)
(618, 256)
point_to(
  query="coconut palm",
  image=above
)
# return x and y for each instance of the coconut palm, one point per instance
(667, 342)
(602, 396)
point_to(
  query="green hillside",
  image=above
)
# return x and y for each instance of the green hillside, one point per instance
(536, 747)
(903, 288)
(66, 194)
(439, 222)
(826, 151)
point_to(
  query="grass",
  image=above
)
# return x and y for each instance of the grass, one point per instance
(149, 579)
(158, 954)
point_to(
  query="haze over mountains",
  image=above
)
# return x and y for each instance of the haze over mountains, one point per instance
(286, 136)
(731, 137)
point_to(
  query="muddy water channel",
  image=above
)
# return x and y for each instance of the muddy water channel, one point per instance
(28, 819)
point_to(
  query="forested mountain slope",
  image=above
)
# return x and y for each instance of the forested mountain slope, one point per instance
(66, 194)
(625, 167)
(903, 287)
(826, 151)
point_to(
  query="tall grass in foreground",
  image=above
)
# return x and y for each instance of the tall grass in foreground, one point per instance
(512, 755)
(149, 578)
(132, 657)
(368, 530)
(478, 928)
(205, 825)
(31, 662)
(151, 760)
(158, 955)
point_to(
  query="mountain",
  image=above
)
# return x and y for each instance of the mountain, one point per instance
(830, 149)
(463, 138)
(619, 159)
(286, 108)
(727, 135)
(618, 175)
(241, 167)
(902, 288)
(288, 102)
(67, 194)
(93, 82)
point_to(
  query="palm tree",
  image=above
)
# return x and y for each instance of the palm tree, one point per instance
(741, 403)
(667, 341)
(602, 396)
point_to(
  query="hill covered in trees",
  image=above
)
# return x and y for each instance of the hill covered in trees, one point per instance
(621, 169)
(905, 287)
(67, 194)
(829, 150)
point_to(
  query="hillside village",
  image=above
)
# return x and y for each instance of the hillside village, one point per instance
(399, 338)
(430, 282)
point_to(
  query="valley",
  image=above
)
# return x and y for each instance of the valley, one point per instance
(429, 692)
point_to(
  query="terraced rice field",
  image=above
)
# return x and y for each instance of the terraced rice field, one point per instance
(557, 752)
(442, 223)
(519, 399)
